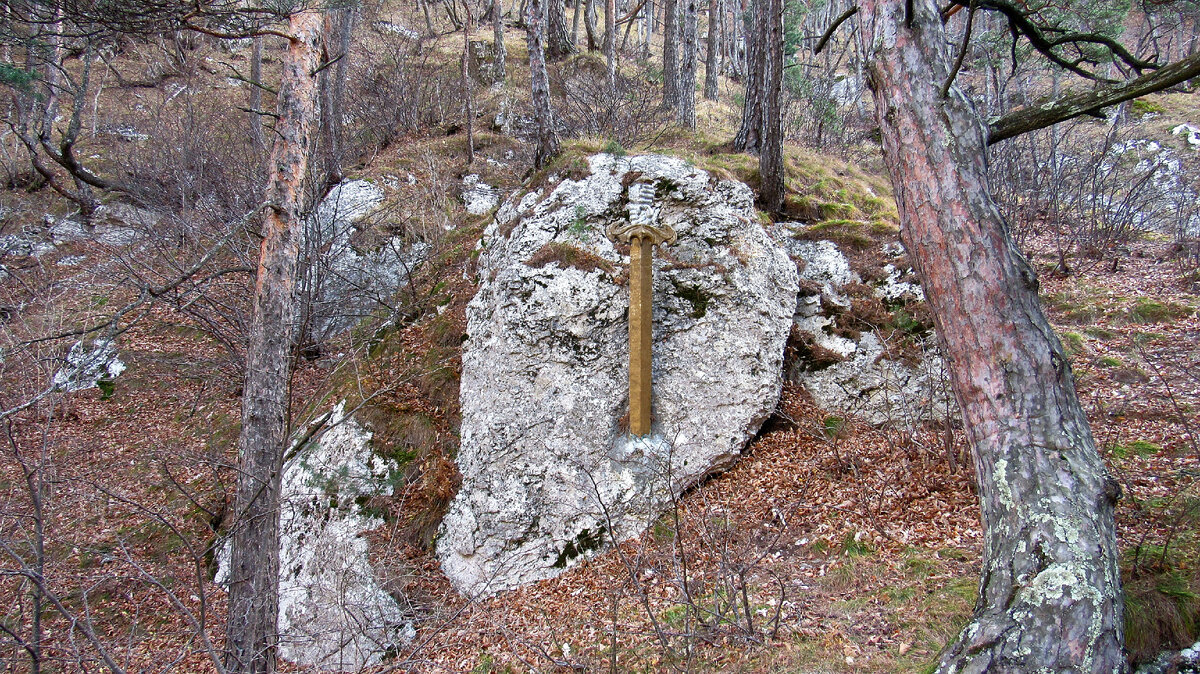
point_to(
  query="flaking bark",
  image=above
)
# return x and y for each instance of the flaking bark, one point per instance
(547, 139)
(251, 632)
(1050, 597)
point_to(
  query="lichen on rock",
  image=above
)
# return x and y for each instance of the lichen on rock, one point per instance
(549, 474)
(856, 371)
(333, 612)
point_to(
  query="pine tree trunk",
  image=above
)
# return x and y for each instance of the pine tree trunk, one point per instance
(256, 126)
(558, 39)
(714, 41)
(500, 67)
(749, 135)
(610, 42)
(547, 139)
(468, 94)
(670, 54)
(770, 158)
(251, 632)
(688, 13)
(1050, 597)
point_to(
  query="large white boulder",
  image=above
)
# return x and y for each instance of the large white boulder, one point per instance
(549, 474)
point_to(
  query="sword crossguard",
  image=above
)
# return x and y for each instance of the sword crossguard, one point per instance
(643, 219)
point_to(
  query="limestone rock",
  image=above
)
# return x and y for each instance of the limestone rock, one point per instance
(549, 475)
(866, 379)
(478, 196)
(333, 612)
(358, 270)
(87, 365)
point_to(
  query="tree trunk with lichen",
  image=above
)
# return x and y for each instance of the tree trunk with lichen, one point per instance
(547, 139)
(770, 158)
(558, 36)
(251, 632)
(686, 95)
(1050, 596)
(749, 135)
(711, 58)
(671, 53)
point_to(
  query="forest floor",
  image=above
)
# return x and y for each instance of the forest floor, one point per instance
(833, 546)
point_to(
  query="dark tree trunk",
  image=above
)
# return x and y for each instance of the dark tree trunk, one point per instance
(589, 25)
(547, 139)
(339, 29)
(670, 53)
(468, 94)
(558, 38)
(610, 42)
(256, 126)
(688, 13)
(500, 69)
(749, 135)
(714, 41)
(770, 158)
(575, 22)
(251, 633)
(1050, 595)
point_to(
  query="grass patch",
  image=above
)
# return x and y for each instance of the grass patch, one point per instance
(1136, 448)
(566, 255)
(1145, 310)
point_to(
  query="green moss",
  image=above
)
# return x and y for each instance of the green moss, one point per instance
(1136, 448)
(1145, 310)
(584, 542)
(695, 296)
(1142, 106)
(1072, 343)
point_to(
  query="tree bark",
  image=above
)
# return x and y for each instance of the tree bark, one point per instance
(558, 38)
(670, 53)
(1039, 116)
(251, 632)
(256, 125)
(711, 59)
(589, 24)
(749, 135)
(575, 22)
(770, 158)
(547, 139)
(339, 28)
(687, 68)
(468, 94)
(500, 67)
(610, 42)
(1050, 596)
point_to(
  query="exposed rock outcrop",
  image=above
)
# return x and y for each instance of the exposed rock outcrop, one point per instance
(846, 366)
(549, 475)
(357, 267)
(88, 366)
(333, 612)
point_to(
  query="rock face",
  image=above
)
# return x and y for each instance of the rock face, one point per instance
(549, 475)
(87, 365)
(856, 373)
(333, 612)
(356, 270)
